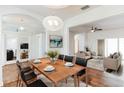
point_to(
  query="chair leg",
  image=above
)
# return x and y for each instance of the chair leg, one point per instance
(118, 68)
(66, 81)
(20, 83)
(86, 80)
(17, 81)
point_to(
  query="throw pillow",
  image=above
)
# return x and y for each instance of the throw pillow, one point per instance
(111, 56)
(115, 56)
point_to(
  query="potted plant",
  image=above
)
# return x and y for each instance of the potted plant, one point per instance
(53, 55)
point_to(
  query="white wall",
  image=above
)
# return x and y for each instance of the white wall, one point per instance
(1, 63)
(71, 43)
(93, 37)
(81, 38)
(59, 33)
(95, 14)
(11, 43)
(37, 45)
(81, 41)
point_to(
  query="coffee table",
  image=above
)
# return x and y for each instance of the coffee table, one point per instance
(95, 64)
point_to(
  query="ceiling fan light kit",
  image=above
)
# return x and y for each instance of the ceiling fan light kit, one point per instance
(94, 29)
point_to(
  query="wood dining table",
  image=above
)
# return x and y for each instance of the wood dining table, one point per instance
(61, 71)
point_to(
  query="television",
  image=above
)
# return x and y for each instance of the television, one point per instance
(24, 46)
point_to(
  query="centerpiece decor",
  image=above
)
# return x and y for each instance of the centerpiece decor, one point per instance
(53, 56)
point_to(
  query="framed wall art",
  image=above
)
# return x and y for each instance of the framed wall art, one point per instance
(55, 41)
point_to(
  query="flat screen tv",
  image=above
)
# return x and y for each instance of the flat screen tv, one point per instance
(24, 46)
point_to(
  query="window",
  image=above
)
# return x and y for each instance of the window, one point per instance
(76, 43)
(121, 47)
(111, 46)
(114, 45)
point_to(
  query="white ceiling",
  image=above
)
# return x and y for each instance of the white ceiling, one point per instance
(114, 22)
(64, 13)
(14, 21)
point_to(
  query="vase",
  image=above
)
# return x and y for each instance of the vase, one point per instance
(53, 60)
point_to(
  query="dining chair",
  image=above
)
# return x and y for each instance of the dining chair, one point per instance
(68, 58)
(28, 71)
(61, 56)
(25, 69)
(81, 74)
(36, 83)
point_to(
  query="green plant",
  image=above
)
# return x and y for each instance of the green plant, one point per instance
(52, 54)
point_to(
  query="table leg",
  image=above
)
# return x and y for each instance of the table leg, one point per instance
(78, 79)
(55, 84)
(17, 81)
(75, 80)
(66, 81)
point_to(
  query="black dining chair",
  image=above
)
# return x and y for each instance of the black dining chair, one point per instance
(68, 58)
(81, 74)
(61, 57)
(25, 69)
(28, 72)
(36, 83)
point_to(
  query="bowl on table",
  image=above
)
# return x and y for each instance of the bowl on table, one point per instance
(49, 68)
(36, 61)
(69, 64)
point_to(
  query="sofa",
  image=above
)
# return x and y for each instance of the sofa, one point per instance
(112, 62)
(84, 55)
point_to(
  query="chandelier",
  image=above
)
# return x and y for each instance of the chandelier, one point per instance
(52, 23)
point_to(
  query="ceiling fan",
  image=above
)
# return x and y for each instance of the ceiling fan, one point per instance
(94, 29)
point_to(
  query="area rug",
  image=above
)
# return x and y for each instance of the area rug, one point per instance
(70, 82)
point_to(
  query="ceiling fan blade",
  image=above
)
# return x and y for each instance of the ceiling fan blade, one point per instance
(93, 29)
(98, 29)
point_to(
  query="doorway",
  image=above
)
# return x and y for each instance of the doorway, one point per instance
(24, 47)
(11, 48)
(101, 47)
